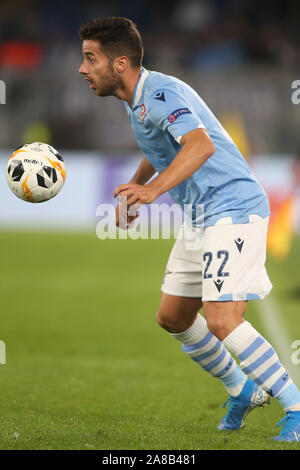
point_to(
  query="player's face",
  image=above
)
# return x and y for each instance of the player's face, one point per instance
(98, 70)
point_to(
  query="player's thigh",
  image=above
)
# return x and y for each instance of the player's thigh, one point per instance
(176, 312)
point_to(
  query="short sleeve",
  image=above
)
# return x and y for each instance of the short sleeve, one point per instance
(170, 111)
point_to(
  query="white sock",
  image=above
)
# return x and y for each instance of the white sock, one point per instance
(260, 362)
(209, 352)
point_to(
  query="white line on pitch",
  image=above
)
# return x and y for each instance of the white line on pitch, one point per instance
(271, 320)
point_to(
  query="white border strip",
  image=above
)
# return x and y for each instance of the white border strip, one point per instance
(139, 88)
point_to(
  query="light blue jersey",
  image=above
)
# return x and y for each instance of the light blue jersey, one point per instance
(163, 110)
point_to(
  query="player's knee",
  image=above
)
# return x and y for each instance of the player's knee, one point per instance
(163, 320)
(223, 317)
(160, 321)
(216, 325)
(170, 322)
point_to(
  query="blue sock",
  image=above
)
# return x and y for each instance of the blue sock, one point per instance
(289, 398)
(234, 382)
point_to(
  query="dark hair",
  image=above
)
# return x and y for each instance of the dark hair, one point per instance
(117, 36)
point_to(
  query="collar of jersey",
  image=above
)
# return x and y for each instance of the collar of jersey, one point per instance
(139, 88)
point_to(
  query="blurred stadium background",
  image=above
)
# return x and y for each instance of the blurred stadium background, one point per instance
(242, 57)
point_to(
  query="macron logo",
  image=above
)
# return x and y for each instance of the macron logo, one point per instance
(219, 284)
(160, 96)
(239, 243)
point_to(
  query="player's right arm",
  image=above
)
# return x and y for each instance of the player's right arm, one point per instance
(144, 173)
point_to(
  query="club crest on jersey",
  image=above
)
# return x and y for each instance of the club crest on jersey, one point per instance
(142, 114)
(178, 112)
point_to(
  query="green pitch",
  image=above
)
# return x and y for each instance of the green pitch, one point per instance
(87, 365)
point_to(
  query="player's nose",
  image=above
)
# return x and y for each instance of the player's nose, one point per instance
(82, 68)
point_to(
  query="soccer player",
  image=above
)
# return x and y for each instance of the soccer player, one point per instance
(199, 164)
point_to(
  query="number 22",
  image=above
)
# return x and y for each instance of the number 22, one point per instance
(208, 256)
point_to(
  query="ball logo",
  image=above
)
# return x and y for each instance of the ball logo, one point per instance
(177, 113)
(27, 160)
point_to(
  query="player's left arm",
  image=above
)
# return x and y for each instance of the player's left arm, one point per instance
(197, 147)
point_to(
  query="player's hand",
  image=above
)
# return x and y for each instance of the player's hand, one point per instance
(123, 219)
(136, 193)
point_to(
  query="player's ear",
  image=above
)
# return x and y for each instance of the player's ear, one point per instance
(121, 64)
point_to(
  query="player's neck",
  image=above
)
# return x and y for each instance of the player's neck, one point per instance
(126, 91)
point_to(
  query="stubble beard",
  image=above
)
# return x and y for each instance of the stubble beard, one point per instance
(110, 83)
